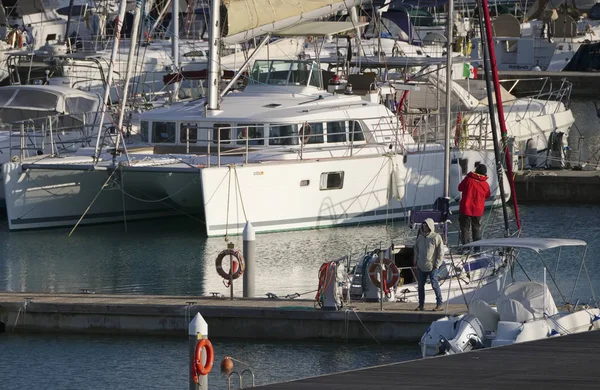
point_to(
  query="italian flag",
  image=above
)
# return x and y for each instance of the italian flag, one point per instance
(469, 71)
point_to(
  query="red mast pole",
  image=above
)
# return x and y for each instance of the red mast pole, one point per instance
(503, 131)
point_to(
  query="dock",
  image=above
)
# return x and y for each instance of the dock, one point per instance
(566, 362)
(256, 318)
(585, 84)
(558, 186)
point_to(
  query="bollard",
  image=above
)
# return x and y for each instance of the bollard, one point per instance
(249, 254)
(198, 329)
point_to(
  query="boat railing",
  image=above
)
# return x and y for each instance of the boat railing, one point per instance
(249, 142)
(545, 91)
(468, 129)
(52, 135)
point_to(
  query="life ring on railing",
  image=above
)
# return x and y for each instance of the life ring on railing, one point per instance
(197, 366)
(15, 39)
(390, 267)
(238, 264)
(305, 133)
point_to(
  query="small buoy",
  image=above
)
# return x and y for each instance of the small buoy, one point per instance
(227, 364)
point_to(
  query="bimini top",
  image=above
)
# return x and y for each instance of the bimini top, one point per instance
(536, 244)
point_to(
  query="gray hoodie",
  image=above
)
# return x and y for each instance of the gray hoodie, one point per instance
(428, 248)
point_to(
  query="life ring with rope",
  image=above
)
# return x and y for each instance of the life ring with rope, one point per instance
(199, 368)
(15, 39)
(237, 268)
(305, 133)
(389, 268)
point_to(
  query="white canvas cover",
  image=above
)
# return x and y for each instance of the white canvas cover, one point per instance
(24, 102)
(536, 244)
(522, 301)
(485, 314)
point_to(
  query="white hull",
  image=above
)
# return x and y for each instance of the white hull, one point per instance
(509, 332)
(270, 195)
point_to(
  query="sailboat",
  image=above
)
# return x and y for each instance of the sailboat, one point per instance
(284, 153)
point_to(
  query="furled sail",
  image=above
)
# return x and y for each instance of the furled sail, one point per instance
(242, 20)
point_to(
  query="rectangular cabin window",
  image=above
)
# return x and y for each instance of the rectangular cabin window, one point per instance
(188, 133)
(163, 132)
(356, 132)
(332, 181)
(144, 131)
(312, 133)
(254, 133)
(336, 132)
(222, 130)
(283, 135)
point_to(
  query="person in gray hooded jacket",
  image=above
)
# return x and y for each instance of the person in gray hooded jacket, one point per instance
(428, 253)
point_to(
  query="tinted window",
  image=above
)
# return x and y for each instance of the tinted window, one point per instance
(223, 131)
(163, 132)
(336, 131)
(188, 133)
(356, 132)
(283, 135)
(315, 132)
(254, 133)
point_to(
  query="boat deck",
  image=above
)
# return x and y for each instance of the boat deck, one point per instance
(565, 362)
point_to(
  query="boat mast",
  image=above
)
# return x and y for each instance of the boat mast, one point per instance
(111, 66)
(494, 71)
(214, 39)
(447, 131)
(487, 49)
(128, 71)
(175, 45)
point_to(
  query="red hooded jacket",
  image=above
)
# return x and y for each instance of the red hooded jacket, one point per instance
(475, 190)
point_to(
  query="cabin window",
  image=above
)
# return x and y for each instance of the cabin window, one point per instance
(332, 181)
(144, 131)
(188, 133)
(163, 132)
(283, 135)
(315, 132)
(254, 133)
(336, 131)
(356, 132)
(221, 132)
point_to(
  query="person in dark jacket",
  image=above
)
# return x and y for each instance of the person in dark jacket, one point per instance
(475, 190)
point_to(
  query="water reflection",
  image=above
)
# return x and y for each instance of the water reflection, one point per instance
(172, 257)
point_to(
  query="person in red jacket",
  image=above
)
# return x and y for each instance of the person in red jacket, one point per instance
(475, 190)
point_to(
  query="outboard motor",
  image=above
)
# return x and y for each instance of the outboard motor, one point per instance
(469, 335)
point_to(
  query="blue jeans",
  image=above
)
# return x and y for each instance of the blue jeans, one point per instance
(422, 278)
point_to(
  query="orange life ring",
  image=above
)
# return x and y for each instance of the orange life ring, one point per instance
(390, 268)
(238, 264)
(199, 368)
